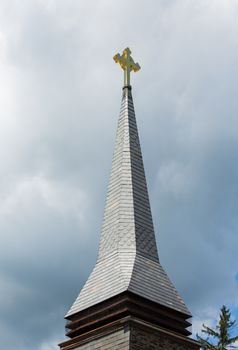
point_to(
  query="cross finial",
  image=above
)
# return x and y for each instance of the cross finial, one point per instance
(127, 64)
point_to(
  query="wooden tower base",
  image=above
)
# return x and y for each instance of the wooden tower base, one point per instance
(128, 322)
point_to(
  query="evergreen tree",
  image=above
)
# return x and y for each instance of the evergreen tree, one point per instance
(220, 337)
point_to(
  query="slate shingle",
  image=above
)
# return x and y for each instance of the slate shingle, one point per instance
(128, 258)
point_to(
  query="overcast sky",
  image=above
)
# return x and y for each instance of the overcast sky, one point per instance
(60, 94)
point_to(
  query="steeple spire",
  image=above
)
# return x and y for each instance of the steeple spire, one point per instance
(127, 225)
(128, 258)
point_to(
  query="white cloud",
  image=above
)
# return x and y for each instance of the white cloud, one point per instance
(207, 317)
(58, 196)
(49, 345)
(176, 178)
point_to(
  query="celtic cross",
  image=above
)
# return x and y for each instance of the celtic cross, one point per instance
(127, 64)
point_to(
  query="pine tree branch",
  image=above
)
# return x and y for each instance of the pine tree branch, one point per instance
(206, 344)
(210, 331)
(232, 340)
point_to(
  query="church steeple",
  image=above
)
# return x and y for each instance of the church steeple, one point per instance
(128, 279)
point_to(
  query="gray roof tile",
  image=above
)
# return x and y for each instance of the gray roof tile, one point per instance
(128, 258)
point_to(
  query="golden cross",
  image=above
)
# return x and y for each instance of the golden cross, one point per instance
(127, 64)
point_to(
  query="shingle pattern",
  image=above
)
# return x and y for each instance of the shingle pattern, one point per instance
(128, 258)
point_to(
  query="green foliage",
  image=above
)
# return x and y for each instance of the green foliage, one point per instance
(220, 337)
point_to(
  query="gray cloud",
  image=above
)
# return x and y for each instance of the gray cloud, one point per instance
(59, 101)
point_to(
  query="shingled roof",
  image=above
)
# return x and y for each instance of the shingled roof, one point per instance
(128, 258)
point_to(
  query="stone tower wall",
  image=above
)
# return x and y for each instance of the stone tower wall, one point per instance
(119, 340)
(139, 337)
(144, 339)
